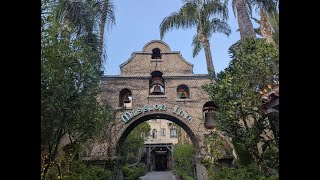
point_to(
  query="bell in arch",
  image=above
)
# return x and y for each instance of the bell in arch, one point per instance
(126, 99)
(209, 122)
(157, 90)
(183, 96)
(157, 80)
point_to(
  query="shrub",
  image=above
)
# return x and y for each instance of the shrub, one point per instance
(134, 172)
(186, 177)
(80, 171)
(243, 172)
(183, 160)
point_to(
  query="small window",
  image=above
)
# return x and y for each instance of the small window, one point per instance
(156, 53)
(154, 134)
(183, 92)
(163, 132)
(173, 133)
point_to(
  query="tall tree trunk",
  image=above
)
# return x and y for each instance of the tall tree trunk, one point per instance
(244, 22)
(103, 24)
(273, 20)
(265, 27)
(52, 154)
(206, 47)
(45, 171)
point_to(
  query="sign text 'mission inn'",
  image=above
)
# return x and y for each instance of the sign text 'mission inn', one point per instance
(127, 116)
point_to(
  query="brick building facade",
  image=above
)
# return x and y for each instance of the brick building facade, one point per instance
(156, 83)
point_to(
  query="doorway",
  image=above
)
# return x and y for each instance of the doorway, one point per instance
(161, 162)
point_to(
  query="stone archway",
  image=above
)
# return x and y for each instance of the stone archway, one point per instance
(147, 117)
(135, 74)
(201, 171)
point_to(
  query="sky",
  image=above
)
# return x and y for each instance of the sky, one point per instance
(137, 23)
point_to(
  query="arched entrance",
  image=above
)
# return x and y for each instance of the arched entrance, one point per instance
(140, 120)
(200, 169)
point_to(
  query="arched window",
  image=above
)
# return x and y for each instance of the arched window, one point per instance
(154, 134)
(156, 83)
(156, 53)
(183, 92)
(125, 98)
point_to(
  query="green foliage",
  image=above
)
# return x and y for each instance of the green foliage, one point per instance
(134, 142)
(215, 149)
(70, 77)
(69, 90)
(85, 18)
(237, 93)
(186, 177)
(245, 158)
(243, 172)
(80, 171)
(184, 164)
(134, 172)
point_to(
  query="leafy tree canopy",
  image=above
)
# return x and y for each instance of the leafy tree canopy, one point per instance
(237, 91)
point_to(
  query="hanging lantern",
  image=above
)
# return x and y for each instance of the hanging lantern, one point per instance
(156, 90)
(209, 122)
(126, 99)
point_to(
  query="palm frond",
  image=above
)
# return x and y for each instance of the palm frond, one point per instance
(234, 8)
(185, 18)
(249, 6)
(265, 5)
(111, 18)
(233, 48)
(269, 5)
(216, 25)
(196, 46)
(188, 1)
(216, 8)
(76, 14)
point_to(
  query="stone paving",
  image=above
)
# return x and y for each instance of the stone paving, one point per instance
(158, 175)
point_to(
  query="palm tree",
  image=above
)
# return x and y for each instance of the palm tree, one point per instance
(268, 11)
(240, 9)
(85, 17)
(204, 15)
(107, 18)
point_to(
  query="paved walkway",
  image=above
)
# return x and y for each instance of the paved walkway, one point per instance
(158, 175)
